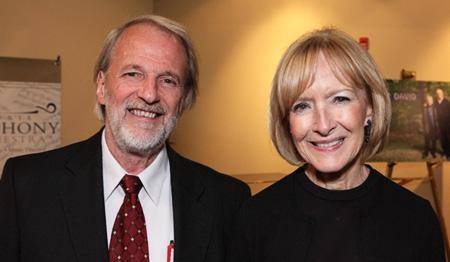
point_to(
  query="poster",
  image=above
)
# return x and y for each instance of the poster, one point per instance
(420, 125)
(30, 106)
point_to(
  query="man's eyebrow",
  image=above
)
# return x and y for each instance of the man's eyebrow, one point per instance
(132, 66)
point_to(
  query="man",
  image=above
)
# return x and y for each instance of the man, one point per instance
(443, 117)
(430, 127)
(123, 194)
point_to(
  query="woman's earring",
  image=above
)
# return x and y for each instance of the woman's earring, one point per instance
(367, 131)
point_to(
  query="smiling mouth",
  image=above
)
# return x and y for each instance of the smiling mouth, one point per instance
(143, 113)
(328, 145)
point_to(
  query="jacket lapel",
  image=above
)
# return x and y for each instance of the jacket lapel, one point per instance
(83, 201)
(192, 221)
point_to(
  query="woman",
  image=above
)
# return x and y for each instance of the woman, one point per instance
(330, 109)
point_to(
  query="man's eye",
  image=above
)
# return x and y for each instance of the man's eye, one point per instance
(300, 107)
(168, 81)
(133, 74)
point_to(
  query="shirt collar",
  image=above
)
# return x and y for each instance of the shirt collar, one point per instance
(152, 177)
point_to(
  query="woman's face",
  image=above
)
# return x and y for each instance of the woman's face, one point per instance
(327, 122)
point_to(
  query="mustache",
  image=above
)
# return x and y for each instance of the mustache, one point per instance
(154, 108)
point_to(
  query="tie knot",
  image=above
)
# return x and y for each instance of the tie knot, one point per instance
(131, 184)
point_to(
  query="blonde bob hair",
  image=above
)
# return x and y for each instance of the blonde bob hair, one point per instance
(351, 64)
(190, 86)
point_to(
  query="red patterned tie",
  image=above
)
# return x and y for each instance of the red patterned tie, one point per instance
(129, 235)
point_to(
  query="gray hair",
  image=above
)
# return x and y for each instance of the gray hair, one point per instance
(190, 87)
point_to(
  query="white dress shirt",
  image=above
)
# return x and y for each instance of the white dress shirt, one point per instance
(155, 198)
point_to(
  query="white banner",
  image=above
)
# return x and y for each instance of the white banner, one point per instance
(30, 118)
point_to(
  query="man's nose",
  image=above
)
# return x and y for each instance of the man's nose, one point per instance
(148, 91)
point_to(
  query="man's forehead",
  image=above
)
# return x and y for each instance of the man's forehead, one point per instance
(145, 45)
(148, 38)
(147, 31)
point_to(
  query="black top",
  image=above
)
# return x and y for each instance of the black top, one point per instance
(384, 222)
(336, 215)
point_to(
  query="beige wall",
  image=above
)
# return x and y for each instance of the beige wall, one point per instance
(239, 44)
(74, 29)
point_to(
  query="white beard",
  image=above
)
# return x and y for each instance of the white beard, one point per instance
(143, 145)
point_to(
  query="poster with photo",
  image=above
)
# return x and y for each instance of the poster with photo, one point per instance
(420, 125)
(30, 94)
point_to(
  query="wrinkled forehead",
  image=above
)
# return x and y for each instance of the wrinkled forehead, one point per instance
(147, 34)
(146, 43)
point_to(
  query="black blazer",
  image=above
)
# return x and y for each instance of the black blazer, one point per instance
(52, 207)
(396, 226)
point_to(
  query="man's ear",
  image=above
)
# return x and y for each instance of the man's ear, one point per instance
(100, 92)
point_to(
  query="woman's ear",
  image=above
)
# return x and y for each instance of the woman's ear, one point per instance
(368, 125)
(369, 115)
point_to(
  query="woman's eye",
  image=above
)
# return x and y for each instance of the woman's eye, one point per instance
(300, 106)
(341, 99)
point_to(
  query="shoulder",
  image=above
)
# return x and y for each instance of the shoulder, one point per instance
(404, 218)
(395, 199)
(209, 177)
(279, 191)
(274, 199)
(273, 209)
(50, 155)
(51, 160)
(390, 189)
(445, 103)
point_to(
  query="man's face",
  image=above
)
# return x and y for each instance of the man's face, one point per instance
(440, 94)
(141, 89)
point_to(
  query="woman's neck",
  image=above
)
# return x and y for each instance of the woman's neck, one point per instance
(345, 179)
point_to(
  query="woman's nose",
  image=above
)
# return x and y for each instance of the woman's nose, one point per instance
(324, 122)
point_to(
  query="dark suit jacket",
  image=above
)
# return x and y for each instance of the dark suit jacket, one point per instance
(396, 226)
(52, 207)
